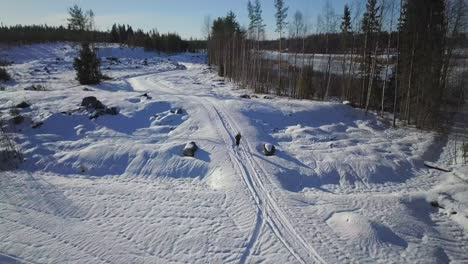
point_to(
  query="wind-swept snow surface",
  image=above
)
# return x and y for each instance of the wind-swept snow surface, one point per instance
(342, 187)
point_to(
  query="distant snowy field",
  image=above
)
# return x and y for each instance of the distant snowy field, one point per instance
(342, 186)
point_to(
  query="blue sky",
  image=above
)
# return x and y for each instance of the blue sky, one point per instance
(183, 16)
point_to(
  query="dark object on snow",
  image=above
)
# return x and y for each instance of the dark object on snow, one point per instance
(177, 111)
(190, 149)
(147, 96)
(92, 102)
(37, 124)
(254, 96)
(23, 105)
(437, 167)
(4, 76)
(87, 89)
(267, 97)
(112, 111)
(269, 149)
(436, 205)
(238, 138)
(18, 119)
(245, 96)
(352, 104)
(35, 87)
(113, 59)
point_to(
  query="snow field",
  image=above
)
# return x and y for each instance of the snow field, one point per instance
(342, 186)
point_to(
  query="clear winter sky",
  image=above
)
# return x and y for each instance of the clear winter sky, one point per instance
(182, 16)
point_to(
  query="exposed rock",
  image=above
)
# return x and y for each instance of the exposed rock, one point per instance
(112, 110)
(190, 149)
(35, 87)
(92, 102)
(23, 105)
(18, 119)
(245, 96)
(269, 149)
(147, 96)
(436, 204)
(267, 97)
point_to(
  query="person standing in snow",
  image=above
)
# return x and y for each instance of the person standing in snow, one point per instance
(238, 138)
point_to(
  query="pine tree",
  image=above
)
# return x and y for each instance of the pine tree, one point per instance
(259, 26)
(370, 27)
(345, 31)
(77, 20)
(280, 15)
(87, 66)
(346, 20)
(251, 15)
(114, 34)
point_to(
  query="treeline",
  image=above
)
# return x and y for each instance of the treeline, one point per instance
(399, 56)
(81, 28)
(29, 34)
(320, 43)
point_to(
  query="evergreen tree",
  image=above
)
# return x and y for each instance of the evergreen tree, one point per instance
(346, 20)
(87, 66)
(346, 29)
(260, 27)
(251, 15)
(114, 34)
(371, 18)
(370, 26)
(280, 15)
(77, 20)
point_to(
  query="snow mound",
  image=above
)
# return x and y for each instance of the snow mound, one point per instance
(357, 229)
(333, 144)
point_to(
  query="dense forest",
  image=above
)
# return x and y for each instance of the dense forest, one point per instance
(398, 56)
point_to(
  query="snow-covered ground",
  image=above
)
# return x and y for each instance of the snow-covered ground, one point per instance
(342, 186)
